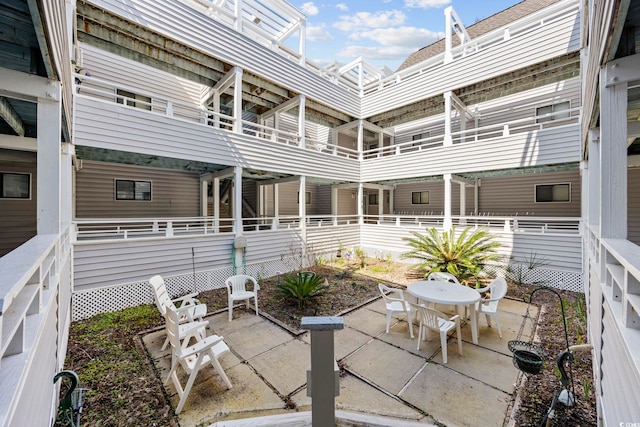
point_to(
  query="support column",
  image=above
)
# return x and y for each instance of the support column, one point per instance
(447, 119)
(447, 202)
(380, 202)
(391, 202)
(613, 160)
(476, 196)
(302, 43)
(301, 120)
(237, 99)
(593, 173)
(463, 202)
(216, 204)
(360, 146)
(334, 204)
(276, 200)
(359, 200)
(49, 128)
(302, 207)
(204, 194)
(238, 13)
(67, 185)
(448, 55)
(237, 199)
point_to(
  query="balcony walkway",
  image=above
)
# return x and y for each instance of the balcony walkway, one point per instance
(385, 376)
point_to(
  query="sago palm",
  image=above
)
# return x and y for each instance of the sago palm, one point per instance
(464, 256)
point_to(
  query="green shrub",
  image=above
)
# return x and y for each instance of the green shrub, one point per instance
(464, 257)
(302, 288)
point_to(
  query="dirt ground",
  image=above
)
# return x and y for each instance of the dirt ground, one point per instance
(106, 352)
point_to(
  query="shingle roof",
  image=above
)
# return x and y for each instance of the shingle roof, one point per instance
(498, 20)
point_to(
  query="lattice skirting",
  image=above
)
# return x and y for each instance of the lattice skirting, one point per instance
(115, 298)
(564, 280)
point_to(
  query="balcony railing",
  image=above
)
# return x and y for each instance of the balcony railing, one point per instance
(150, 228)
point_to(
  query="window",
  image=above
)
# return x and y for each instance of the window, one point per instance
(133, 190)
(15, 185)
(555, 108)
(307, 198)
(419, 137)
(373, 199)
(419, 197)
(144, 102)
(553, 193)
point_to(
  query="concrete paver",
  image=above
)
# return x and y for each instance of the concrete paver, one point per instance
(383, 375)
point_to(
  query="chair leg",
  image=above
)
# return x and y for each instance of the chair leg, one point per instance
(218, 367)
(230, 311)
(410, 322)
(459, 336)
(498, 326)
(488, 317)
(255, 299)
(166, 343)
(443, 344)
(420, 335)
(187, 388)
(389, 314)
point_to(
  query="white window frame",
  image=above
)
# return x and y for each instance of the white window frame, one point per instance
(29, 190)
(135, 181)
(554, 108)
(535, 192)
(307, 198)
(421, 191)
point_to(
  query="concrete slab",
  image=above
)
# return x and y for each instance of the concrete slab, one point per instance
(357, 395)
(210, 401)
(490, 367)
(454, 399)
(399, 336)
(388, 367)
(518, 307)
(285, 366)
(366, 321)
(255, 338)
(488, 336)
(348, 340)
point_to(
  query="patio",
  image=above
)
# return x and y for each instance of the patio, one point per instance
(383, 375)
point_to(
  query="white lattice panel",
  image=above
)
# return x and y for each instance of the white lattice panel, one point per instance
(564, 280)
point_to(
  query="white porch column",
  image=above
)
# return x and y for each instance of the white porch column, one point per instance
(476, 195)
(360, 145)
(380, 202)
(67, 185)
(334, 204)
(237, 99)
(260, 201)
(276, 200)
(216, 204)
(301, 120)
(216, 108)
(391, 202)
(48, 190)
(238, 13)
(447, 202)
(593, 174)
(204, 193)
(613, 160)
(448, 56)
(302, 43)
(237, 199)
(302, 207)
(463, 202)
(447, 119)
(360, 203)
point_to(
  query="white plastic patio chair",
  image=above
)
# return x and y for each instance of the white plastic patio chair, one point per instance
(434, 320)
(395, 303)
(489, 306)
(237, 291)
(194, 357)
(194, 312)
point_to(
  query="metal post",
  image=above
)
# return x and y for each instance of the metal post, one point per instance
(322, 382)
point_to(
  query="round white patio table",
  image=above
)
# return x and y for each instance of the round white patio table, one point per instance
(448, 293)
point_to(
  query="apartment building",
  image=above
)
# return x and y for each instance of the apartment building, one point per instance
(193, 138)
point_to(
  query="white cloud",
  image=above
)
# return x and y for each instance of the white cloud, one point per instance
(375, 52)
(425, 4)
(387, 18)
(400, 37)
(309, 8)
(318, 32)
(343, 7)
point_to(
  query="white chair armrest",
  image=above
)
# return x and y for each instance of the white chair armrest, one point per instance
(202, 345)
(455, 318)
(193, 326)
(481, 290)
(188, 299)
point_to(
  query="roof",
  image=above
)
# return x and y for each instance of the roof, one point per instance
(486, 25)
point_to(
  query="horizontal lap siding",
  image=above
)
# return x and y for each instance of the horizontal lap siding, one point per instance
(561, 252)
(402, 199)
(187, 25)
(104, 264)
(18, 216)
(328, 239)
(619, 371)
(552, 40)
(173, 193)
(550, 146)
(111, 67)
(113, 126)
(633, 205)
(272, 245)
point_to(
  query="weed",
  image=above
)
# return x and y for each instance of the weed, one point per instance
(521, 271)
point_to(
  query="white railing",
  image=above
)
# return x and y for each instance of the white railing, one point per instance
(119, 229)
(157, 104)
(29, 284)
(497, 130)
(137, 228)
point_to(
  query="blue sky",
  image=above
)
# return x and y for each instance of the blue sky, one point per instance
(384, 32)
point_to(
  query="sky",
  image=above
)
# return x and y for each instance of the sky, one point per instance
(384, 32)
